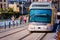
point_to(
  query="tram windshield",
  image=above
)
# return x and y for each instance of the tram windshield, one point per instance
(40, 15)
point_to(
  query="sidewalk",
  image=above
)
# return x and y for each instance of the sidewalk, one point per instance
(11, 28)
(3, 34)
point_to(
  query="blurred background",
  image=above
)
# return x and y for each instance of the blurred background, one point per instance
(14, 7)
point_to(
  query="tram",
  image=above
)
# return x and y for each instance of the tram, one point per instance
(41, 16)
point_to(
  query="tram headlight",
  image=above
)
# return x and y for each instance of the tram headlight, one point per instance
(48, 25)
(31, 26)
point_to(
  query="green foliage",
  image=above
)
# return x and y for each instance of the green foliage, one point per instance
(1, 9)
(10, 10)
(7, 13)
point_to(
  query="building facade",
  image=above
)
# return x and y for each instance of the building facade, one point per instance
(37, 0)
(56, 4)
(3, 3)
(28, 2)
(13, 5)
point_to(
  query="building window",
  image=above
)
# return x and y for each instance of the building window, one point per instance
(4, 0)
(33, 0)
(11, 2)
(37, 0)
(0, 5)
(4, 5)
(0, 0)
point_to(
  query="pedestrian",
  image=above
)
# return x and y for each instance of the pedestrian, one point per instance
(20, 19)
(25, 19)
(13, 19)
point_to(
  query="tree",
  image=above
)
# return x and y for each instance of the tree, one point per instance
(10, 10)
(1, 9)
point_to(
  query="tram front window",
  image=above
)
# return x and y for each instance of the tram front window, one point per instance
(42, 16)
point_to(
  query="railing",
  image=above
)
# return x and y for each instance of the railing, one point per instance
(8, 25)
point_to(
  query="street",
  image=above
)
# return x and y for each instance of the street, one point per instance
(29, 19)
(23, 34)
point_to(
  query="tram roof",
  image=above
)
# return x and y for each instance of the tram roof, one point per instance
(41, 5)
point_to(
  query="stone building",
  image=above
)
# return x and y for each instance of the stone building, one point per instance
(3, 3)
(57, 4)
(14, 6)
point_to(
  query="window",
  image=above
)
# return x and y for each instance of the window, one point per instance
(11, 2)
(40, 15)
(4, 0)
(37, 0)
(0, 5)
(33, 0)
(0, 0)
(17, 5)
(4, 5)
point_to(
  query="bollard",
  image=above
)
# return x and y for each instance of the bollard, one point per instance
(20, 21)
(17, 23)
(5, 25)
(9, 24)
(13, 24)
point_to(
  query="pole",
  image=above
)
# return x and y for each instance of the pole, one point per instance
(9, 24)
(5, 25)
(58, 5)
(22, 7)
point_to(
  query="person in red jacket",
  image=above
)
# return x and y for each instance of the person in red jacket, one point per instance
(25, 19)
(20, 19)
